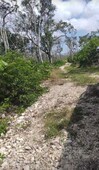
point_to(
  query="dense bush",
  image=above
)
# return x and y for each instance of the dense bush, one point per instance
(2, 64)
(42, 70)
(88, 54)
(20, 80)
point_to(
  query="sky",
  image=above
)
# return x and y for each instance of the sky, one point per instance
(82, 14)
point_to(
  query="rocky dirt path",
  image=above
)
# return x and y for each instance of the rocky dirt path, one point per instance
(64, 66)
(24, 145)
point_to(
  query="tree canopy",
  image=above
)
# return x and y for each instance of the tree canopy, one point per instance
(33, 28)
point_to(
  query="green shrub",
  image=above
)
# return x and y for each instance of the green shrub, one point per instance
(88, 55)
(2, 64)
(4, 106)
(42, 69)
(20, 80)
(3, 126)
(59, 63)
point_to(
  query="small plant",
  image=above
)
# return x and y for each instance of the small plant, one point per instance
(3, 126)
(1, 158)
(5, 105)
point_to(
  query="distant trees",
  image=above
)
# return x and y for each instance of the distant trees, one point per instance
(38, 24)
(34, 28)
(83, 40)
(71, 41)
(6, 9)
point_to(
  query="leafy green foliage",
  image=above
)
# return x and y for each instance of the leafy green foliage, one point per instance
(3, 126)
(2, 65)
(88, 54)
(2, 156)
(59, 63)
(20, 80)
(42, 70)
(5, 105)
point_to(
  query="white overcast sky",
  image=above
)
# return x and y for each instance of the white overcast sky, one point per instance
(82, 14)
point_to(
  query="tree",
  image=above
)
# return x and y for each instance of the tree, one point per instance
(38, 25)
(83, 40)
(6, 9)
(47, 39)
(54, 33)
(88, 54)
(71, 41)
(33, 27)
(29, 24)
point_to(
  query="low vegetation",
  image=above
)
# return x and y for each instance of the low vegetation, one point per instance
(20, 86)
(1, 157)
(55, 76)
(82, 76)
(3, 126)
(20, 80)
(59, 63)
(88, 55)
(56, 121)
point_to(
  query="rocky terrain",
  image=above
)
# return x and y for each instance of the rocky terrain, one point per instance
(25, 146)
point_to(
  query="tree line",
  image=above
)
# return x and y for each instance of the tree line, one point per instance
(31, 28)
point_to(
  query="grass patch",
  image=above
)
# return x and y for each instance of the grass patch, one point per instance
(59, 63)
(3, 126)
(82, 76)
(56, 121)
(57, 77)
(56, 74)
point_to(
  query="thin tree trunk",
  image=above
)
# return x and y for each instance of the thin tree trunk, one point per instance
(50, 57)
(5, 39)
(39, 41)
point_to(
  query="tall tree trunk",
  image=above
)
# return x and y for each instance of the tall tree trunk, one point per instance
(5, 39)
(39, 40)
(50, 57)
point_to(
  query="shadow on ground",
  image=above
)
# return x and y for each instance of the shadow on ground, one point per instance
(81, 150)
